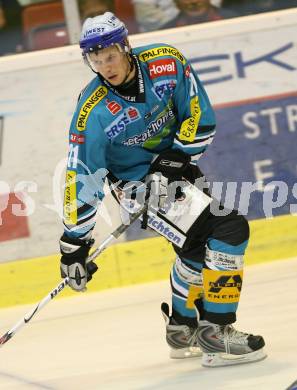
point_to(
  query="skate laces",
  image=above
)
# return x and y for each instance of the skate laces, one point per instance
(191, 334)
(233, 336)
(193, 339)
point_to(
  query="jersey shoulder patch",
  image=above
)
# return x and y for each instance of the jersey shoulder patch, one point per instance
(159, 51)
(88, 101)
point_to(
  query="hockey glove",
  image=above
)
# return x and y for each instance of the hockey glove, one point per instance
(171, 163)
(167, 167)
(73, 262)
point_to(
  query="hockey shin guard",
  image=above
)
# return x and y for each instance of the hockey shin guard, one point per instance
(186, 285)
(222, 281)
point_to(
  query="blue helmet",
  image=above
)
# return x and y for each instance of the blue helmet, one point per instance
(103, 31)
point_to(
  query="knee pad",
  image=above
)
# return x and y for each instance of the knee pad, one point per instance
(220, 261)
(187, 274)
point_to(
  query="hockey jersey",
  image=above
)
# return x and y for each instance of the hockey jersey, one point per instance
(121, 134)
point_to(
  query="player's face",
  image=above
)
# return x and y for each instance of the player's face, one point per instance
(112, 64)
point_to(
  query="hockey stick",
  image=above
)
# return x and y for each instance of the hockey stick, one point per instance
(114, 235)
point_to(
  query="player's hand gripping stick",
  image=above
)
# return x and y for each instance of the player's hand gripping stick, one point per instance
(113, 236)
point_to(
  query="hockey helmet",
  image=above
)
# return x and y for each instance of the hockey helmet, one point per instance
(103, 31)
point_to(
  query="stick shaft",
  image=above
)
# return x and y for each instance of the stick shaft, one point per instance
(116, 234)
(27, 318)
(60, 287)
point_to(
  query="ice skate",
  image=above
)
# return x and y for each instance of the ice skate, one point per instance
(182, 340)
(225, 346)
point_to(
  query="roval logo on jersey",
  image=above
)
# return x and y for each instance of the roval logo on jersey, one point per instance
(130, 114)
(160, 68)
(113, 106)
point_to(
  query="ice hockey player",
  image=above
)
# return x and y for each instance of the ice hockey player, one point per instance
(146, 115)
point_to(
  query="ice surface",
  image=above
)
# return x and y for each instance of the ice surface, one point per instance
(115, 340)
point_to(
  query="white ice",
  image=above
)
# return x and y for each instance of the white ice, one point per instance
(115, 340)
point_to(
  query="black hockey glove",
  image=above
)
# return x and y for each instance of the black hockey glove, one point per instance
(73, 262)
(171, 163)
(171, 166)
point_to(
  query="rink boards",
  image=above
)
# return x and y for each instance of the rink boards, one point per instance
(135, 262)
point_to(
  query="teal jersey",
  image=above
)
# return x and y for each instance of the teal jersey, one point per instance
(112, 133)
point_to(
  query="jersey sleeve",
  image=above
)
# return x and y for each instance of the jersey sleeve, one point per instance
(85, 174)
(194, 112)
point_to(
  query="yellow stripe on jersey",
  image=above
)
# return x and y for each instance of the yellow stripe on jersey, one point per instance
(88, 106)
(161, 51)
(70, 203)
(189, 127)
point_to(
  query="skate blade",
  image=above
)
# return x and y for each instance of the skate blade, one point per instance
(185, 353)
(221, 359)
